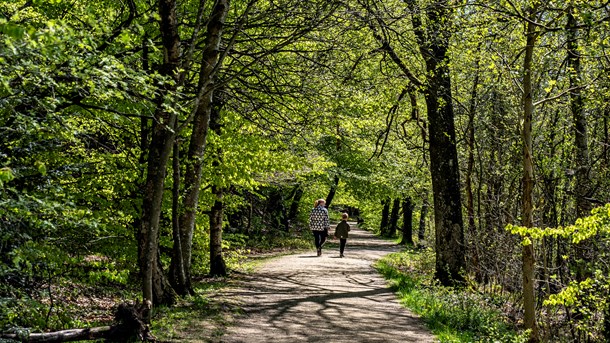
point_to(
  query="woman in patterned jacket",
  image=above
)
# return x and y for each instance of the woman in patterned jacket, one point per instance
(319, 224)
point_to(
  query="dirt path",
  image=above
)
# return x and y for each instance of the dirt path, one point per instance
(305, 298)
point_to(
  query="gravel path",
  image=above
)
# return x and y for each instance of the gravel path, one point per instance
(305, 298)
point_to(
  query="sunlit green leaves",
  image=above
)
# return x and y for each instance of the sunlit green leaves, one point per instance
(584, 228)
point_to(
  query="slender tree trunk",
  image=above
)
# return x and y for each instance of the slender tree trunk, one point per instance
(335, 184)
(529, 299)
(433, 44)
(393, 227)
(407, 222)
(194, 158)
(421, 232)
(277, 210)
(332, 191)
(385, 217)
(177, 264)
(473, 242)
(217, 263)
(294, 205)
(144, 121)
(606, 137)
(549, 215)
(582, 164)
(155, 287)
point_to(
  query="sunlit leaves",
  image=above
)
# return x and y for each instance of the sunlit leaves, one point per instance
(584, 228)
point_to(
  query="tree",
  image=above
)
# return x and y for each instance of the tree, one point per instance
(181, 260)
(156, 287)
(529, 302)
(433, 41)
(393, 224)
(407, 221)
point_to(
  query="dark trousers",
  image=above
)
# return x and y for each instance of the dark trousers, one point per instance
(342, 242)
(320, 238)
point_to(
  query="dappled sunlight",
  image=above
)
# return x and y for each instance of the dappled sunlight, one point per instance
(307, 298)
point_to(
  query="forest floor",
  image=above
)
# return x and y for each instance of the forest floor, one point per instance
(305, 298)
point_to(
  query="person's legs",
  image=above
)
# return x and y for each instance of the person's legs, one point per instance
(342, 242)
(324, 235)
(318, 240)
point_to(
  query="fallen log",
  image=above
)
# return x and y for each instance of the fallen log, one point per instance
(61, 336)
(129, 326)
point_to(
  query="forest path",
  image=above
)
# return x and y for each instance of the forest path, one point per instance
(305, 298)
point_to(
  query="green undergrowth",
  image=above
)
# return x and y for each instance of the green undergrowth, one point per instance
(198, 317)
(453, 315)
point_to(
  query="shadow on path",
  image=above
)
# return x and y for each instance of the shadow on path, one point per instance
(305, 298)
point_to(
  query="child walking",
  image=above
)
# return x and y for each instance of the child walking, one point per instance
(341, 232)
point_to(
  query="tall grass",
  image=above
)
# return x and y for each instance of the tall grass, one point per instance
(452, 314)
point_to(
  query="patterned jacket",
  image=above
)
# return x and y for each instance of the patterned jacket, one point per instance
(318, 219)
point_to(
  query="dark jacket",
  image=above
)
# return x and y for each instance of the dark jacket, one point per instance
(342, 229)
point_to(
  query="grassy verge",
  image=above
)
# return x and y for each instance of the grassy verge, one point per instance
(453, 315)
(198, 318)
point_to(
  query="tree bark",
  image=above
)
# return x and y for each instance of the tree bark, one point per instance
(473, 242)
(421, 232)
(528, 258)
(407, 221)
(217, 264)
(433, 43)
(332, 191)
(155, 288)
(277, 210)
(129, 326)
(581, 141)
(177, 272)
(393, 226)
(194, 158)
(61, 336)
(385, 217)
(294, 205)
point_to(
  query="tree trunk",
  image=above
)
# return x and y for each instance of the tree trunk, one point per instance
(433, 44)
(61, 336)
(332, 191)
(194, 158)
(385, 217)
(154, 283)
(277, 210)
(294, 205)
(177, 273)
(421, 232)
(393, 227)
(407, 222)
(144, 120)
(473, 242)
(582, 163)
(528, 258)
(217, 263)
(129, 326)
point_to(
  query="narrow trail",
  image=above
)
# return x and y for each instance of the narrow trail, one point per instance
(305, 298)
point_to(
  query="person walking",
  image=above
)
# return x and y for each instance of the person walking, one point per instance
(341, 232)
(319, 224)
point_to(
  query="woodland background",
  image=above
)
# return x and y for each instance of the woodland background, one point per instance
(145, 144)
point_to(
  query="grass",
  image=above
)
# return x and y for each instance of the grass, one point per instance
(453, 315)
(197, 318)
